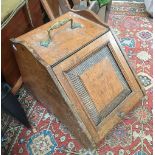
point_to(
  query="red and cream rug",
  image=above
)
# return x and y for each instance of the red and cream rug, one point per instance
(133, 136)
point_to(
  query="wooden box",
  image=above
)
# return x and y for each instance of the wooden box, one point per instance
(76, 68)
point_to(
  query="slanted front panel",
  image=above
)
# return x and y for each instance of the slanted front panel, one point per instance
(100, 84)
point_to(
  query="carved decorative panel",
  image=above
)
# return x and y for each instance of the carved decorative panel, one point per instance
(99, 83)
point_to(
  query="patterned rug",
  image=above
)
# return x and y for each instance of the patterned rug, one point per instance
(130, 0)
(133, 136)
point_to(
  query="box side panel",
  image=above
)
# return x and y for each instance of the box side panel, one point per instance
(37, 78)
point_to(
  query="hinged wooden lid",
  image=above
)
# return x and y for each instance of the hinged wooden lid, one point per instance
(64, 40)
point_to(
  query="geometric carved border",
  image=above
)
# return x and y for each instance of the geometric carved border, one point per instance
(73, 76)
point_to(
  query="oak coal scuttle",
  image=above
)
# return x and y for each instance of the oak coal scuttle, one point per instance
(75, 66)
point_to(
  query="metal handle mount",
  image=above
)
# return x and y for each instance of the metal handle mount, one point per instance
(58, 25)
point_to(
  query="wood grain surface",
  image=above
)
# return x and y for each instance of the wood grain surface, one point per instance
(102, 83)
(18, 25)
(64, 39)
(98, 132)
(46, 70)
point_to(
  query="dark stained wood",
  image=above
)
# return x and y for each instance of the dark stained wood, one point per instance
(60, 78)
(90, 15)
(17, 85)
(52, 8)
(68, 5)
(48, 10)
(19, 25)
(55, 8)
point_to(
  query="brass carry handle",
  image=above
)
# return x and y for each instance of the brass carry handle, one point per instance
(58, 25)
